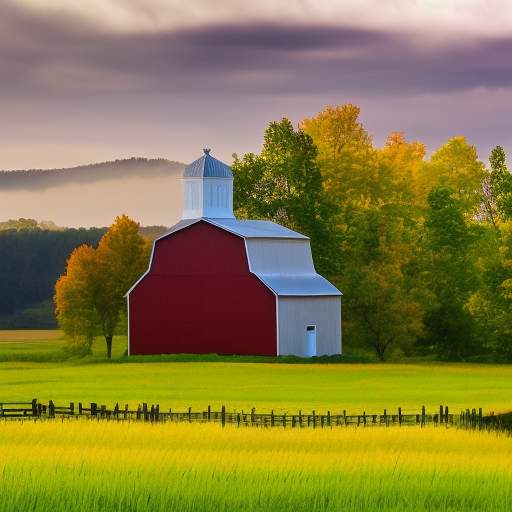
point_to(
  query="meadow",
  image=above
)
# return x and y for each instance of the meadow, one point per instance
(78, 465)
(84, 465)
(41, 369)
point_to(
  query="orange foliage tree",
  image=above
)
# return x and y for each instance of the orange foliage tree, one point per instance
(89, 298)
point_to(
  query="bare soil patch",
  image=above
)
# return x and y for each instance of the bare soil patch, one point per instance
(29, 336)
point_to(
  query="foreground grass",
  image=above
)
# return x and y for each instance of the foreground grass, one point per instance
(97, 466)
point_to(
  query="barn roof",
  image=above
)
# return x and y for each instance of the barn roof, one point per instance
(244, 228)
(301, 282)
(207, 167)
(299, 285)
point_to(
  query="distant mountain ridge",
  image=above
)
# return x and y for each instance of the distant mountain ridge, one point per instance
(40, 179)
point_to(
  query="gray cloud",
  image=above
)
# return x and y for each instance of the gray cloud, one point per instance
(75, 92)
(48, 56)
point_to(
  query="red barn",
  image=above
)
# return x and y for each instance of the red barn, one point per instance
(220, 285)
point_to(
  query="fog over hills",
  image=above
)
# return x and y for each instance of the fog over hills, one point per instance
(148, 191)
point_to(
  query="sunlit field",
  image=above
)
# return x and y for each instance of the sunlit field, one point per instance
(83, 465)
(241, 386)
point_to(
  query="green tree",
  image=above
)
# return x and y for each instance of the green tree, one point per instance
(451, 274)
(491, 305)
(381, 308)
(501, 183)
(284, 184)
(90, 296)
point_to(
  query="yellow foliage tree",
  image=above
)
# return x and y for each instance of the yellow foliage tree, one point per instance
(89, 298)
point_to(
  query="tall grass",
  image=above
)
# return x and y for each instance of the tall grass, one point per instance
(79, 465)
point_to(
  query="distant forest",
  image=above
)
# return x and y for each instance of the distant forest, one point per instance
(32, 257)
(38, 179)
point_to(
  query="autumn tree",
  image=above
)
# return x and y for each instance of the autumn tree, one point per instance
(89, 298)
(75, 295)
(401, 171)
(455, 165)
(345, 152)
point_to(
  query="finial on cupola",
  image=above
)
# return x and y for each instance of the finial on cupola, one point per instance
(206, 151)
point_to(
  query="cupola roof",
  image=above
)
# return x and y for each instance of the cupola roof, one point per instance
(207, 167)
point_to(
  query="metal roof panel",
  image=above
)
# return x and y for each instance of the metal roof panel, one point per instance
(256, 228)
(299, 285)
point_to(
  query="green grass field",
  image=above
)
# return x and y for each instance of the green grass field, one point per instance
(241, 386)
(83, 465)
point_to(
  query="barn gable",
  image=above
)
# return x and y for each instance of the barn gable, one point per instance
(199, 296)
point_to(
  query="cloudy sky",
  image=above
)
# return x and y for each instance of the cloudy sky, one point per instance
(89, 81)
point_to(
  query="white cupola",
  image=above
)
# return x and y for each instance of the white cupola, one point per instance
(207, 189)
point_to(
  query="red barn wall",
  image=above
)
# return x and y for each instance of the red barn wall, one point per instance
(199, 297)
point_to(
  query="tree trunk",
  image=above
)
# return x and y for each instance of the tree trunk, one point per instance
(108, 339)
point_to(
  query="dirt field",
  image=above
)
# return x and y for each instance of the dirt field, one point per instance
(29, 336)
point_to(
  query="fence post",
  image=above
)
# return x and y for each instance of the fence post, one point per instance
(190, 414)
(345, 417)
(272, 418)
(300, 418)
(94, 409)
(72, 408)
(209, 412)
(238, 419)
(440, 414)
(253, 410)
(399, 416)
(364, 418)
(284, 420)
(328, 418)
(223, 415)
(34, 407)
(446, 415)
(314, 420)
(423, 416)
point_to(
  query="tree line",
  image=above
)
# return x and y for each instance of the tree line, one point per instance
(421, 249)
(32, 257)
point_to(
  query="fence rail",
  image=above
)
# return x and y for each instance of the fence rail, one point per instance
(465, 419)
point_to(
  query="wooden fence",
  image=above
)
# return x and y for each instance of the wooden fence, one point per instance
(465, 419)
